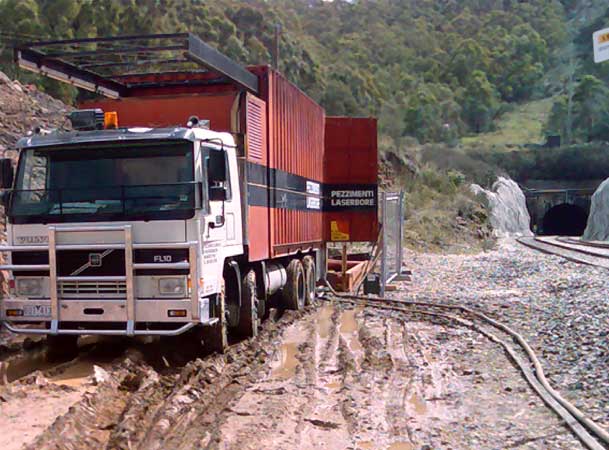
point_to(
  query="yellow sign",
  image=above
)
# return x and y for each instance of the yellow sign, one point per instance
(339, 231)
(600, 40)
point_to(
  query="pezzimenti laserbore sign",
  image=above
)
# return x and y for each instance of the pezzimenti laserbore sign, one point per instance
(344, 197)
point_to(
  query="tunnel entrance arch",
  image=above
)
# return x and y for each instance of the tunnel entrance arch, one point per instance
(565, 220)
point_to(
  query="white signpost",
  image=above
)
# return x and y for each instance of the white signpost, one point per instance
(601, 45)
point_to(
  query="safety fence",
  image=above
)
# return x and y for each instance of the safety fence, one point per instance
(392, 220)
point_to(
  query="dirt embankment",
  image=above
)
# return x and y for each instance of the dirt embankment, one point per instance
(23, 108)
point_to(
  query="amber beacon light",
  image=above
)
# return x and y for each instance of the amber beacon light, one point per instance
(111, 120)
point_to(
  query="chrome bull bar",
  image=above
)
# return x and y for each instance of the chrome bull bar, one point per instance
(175, 332)
(128, 246)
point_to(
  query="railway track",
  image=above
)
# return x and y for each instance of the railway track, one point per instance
(588, 432)
(572, 249)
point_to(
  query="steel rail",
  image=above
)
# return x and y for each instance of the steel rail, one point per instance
(581, 242)
(581, 247)
(579, 416)
(579, 256)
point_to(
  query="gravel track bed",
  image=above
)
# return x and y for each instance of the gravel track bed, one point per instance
(560, 307)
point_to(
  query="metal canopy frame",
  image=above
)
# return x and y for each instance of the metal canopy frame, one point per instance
(112, 66)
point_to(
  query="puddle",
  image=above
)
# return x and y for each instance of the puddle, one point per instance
(348, 324)
(288, 361)
(71, 373)
(333, 386)
(284, 367)
(22, 366)
(401, 446)
(417, 402)
(349, 330)
(75, 375)
(324, 321)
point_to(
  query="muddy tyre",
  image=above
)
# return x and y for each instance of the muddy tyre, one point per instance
(61, 347)
(231, 290)
(215, 337)
(264, 310)
(248, 313)
(308, 264)
(294, 291)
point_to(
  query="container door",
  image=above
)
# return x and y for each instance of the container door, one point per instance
(350, 180)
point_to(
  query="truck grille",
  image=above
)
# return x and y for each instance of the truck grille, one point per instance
(92, 289)
(78, 262)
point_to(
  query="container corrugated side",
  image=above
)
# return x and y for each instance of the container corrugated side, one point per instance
(296, 147)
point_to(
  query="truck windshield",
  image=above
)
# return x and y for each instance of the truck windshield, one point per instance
(125, 181)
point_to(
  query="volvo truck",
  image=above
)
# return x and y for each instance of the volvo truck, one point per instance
(188, 195)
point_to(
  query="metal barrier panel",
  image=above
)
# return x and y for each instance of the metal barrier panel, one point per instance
(392, 219)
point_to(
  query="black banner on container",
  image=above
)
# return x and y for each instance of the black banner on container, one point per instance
(350, 197)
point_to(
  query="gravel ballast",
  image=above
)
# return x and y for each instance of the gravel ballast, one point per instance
(559, 307)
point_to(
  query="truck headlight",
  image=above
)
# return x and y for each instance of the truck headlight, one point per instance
(174, 287)
(29, 287)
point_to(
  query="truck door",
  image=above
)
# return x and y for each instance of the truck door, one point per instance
(221, 231)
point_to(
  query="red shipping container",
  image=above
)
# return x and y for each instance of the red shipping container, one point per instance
(283, 132)
(350, 180)
(296, 146)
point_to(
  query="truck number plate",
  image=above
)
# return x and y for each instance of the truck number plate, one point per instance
(36, 310)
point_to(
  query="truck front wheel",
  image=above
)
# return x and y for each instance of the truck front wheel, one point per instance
(215, 337)
(294, 291)
(248, 313)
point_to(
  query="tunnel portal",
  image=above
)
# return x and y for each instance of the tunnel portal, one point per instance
(565, 220)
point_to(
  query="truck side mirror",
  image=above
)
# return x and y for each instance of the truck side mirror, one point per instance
(216, 167)
(6, 173)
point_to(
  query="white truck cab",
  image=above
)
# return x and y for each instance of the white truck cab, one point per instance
(121, 232)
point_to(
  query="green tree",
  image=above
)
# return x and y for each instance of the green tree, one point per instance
(591, 106)
(480, 102)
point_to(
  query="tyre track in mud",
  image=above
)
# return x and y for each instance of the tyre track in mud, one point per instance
(346, 390)
(141, 406)
(37, 390)
(296, 402)
(336, 377)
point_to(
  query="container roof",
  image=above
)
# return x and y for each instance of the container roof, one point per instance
(112, 66)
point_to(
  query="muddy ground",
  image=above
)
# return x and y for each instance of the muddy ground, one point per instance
(332, 377)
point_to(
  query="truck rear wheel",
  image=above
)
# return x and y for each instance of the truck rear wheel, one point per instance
(308, 263)
(264, 310)
(248, 313)
(294, 291)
